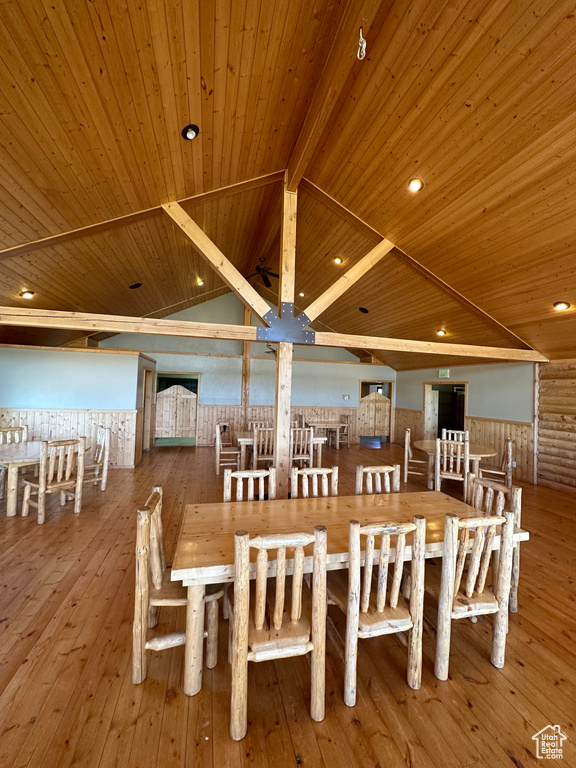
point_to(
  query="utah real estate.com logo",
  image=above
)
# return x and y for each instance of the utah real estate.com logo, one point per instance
(549, 743)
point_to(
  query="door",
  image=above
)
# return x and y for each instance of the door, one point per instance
(374, 415)
(176, 412)
(430, 412)
(149, 409)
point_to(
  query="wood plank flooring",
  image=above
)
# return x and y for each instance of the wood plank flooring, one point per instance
(66, 696)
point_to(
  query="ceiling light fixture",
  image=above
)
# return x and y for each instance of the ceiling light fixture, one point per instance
(190, 132)
(441, 332)
(301, 295)
(26, 294)
(560, 305)
(415, 185)
(135, 285)
(199, 281)
(337, 260)
(364, 310)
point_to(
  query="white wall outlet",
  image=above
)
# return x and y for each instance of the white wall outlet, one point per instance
(345, 397)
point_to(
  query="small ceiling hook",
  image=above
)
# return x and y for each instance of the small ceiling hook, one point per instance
(361, 46)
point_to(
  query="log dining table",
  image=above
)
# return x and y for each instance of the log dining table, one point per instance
(246, 440)
(329, 426)
(12, 457)
(205, 547)
(477, 451)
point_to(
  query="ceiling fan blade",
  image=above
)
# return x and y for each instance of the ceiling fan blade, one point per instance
(265, 280)
(273, 274)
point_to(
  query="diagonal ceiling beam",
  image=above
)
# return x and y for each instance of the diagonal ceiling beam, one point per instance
(216, 259)
(339, 63)
(356, 221)
(80, 321)
(347, 280)
(132, 218)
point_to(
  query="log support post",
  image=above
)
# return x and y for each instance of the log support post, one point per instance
(284, 356)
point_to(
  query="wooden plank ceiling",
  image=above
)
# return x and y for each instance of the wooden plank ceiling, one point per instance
(475, 98)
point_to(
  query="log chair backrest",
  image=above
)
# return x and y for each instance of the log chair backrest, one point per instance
(315, 482)
(250, 477)
(382, 479)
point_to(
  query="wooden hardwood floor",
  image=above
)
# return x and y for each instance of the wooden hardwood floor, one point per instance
(66, 697)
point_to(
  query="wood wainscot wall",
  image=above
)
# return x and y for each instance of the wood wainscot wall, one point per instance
(556, 444)
(486, 431)
(210, 415)
(408, 418)
(45, 424)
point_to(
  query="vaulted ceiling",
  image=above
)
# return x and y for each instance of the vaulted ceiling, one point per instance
(475, 98)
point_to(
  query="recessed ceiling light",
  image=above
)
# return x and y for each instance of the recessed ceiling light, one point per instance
(135, 285)
(27, 294)
(441, 332)
(337, 260)
(190, 132)
(199, 281)
(557, 305)
(364, 310)
(415, 185)
(301, 294)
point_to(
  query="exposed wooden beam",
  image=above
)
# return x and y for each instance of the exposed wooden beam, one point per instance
(288, 247)
(132, 218)
(38, 318)
(216, 259)
(369, 231)
(347, 280)
(339, 63)
(80, 321)
(428, 347)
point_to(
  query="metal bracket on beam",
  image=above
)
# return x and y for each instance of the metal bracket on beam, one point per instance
(287, 327)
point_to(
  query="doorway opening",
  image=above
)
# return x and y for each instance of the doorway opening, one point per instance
(444, 408)
(176, 409)
(375, 413)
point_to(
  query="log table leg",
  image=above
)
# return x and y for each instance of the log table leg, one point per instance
(431, 462)
(242, 456)
(12, 491)
(194, 640)
(319, 455)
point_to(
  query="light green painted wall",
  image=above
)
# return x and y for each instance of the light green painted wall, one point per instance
(319, 382)
(495, 391)
(39, 378)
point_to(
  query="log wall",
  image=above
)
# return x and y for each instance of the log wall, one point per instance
(44, 424)
(556, 446)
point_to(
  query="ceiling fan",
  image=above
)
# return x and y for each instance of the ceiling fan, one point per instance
(263, 272)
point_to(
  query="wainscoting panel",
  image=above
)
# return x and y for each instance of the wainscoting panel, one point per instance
(495, 431)
(210, 415)
(406, 418)
(486, 431)
(62, 424)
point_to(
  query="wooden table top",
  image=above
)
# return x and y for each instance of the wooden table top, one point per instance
(476, 449)
(326, 424)
(21, 453)
(205, 547)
